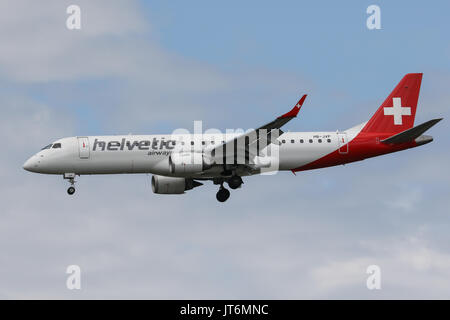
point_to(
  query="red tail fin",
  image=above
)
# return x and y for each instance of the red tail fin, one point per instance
(398, 111)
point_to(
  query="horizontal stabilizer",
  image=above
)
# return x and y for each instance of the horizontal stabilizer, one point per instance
(411, 134)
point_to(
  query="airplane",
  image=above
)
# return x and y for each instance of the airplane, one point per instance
(181, 162)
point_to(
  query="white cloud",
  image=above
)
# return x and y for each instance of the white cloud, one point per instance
(114, 41)
(405, 200)
(117, 45)
(338, 275)
(39, 47)
(404, 263)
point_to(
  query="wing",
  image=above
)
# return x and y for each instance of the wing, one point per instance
(285, 118)
(254, 140)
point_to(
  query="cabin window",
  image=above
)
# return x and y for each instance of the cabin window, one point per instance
(203, 142)
(292, 141)
(320, 140)
(192, 143)
(212, 142)
(328, 140)
(283, 141)
(301, 140)
(310, 141)
(57, 145)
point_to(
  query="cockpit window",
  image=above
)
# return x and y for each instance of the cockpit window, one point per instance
(57, 145)
(47, 147)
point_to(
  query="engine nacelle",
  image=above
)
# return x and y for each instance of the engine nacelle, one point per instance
(188, 162)
(172, 185)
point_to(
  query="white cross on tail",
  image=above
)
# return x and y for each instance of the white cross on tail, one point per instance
(397, 111)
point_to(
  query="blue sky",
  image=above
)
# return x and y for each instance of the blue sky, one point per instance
(327, 41)
(325, 47)
(155, 66)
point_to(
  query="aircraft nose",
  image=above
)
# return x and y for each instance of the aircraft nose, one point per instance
(30, 164)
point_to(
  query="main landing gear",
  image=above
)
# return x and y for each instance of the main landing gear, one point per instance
(71, 178)
(234, 182)
(223, 194)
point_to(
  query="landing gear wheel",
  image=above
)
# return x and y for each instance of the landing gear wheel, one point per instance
(235, 182)
(223, 194)
(71, 178)
(71, 190)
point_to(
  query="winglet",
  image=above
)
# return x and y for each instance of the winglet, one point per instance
(293, 113)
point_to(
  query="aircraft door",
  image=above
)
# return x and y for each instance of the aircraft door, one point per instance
(343, 143)
(83, 147)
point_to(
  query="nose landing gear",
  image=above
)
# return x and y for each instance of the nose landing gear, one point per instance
(71, 178)
(71, 190)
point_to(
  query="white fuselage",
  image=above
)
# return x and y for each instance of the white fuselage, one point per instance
(181, 162)
(150, 153)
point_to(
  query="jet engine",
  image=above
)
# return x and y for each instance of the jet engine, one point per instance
(188, 162)
(172, 185)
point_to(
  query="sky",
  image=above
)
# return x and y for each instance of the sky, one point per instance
(155, 66)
